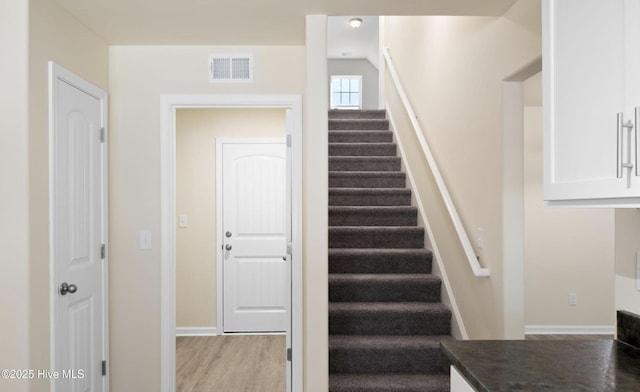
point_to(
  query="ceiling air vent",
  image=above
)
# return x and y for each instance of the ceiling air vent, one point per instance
(230, 68)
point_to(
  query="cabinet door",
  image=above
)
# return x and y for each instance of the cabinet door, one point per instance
(584, 89)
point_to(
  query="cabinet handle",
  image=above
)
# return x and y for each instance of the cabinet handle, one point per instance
(635, 138)
(621, 126)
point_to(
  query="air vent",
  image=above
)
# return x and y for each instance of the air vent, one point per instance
(230, 68)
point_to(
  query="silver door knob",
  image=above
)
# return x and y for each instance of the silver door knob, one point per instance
(228, 234)
(68, 288)
(228, 247)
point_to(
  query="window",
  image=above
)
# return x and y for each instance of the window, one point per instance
(346, 92)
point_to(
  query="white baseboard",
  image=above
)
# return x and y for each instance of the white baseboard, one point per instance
(569, 330)
(196, 331)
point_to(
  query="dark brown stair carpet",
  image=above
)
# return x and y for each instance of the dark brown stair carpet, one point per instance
(386, 319)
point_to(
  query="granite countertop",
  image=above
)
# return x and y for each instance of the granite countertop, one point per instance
(551, 365)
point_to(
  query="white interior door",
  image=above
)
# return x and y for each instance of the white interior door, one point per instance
(256, 276)
(78, 232)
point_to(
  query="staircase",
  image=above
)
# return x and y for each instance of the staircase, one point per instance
(386, 320)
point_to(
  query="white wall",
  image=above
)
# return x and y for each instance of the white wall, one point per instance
(138, 76)
(196, 246)
(14, 208)
(358, 67)
(566, 250)
(452, 69)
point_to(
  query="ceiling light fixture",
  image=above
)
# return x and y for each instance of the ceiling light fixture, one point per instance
(355, 22)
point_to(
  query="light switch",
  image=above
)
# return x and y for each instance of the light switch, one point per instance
(145, 239)
(183, 220)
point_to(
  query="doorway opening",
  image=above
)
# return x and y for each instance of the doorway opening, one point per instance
(208, 317)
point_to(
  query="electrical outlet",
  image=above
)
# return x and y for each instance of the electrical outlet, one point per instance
(480, 237)
(573, 299)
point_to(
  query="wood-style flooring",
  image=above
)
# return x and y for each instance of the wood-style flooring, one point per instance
(231, 363)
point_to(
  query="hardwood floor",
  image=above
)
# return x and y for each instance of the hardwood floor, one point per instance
(231, 363)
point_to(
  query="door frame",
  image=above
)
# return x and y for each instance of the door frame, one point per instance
(220, 141)
(168, 106)
(58, 73)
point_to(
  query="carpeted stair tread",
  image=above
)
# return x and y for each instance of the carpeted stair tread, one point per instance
(388, 382)
(360, 137)
(362, 149)
(370, 261)
(389, 318)
(373, 216)
(384, 288)
(364, 163)
(350, 124)
(366, 179)
(386, 354)
(376, 237)
(367, 113)
(386, 342)
(369, 197)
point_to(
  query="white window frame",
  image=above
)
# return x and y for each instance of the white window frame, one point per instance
(333, 77)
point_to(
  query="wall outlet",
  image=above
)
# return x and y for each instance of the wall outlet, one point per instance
(573, 299)
(480, 238)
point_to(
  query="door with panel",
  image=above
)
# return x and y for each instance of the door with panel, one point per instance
(78, 234)
(256, 276)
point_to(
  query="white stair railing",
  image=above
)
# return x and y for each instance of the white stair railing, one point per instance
(478, 270)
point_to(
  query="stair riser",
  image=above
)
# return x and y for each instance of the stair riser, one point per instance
(364, 124)
(403, 238)
(390, 323)
(364, 164)
(398, 199)
(377, 265)
(373, 218)
(365, 149)
(406, 361)
(366, 182)
(384, 292)
(360, 137)
(356, 114)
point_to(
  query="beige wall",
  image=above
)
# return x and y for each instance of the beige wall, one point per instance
(453, 77)
(196, 133)
(53, 35)
(138, 76)
(566, 250)
(14, 235)
(627, 245)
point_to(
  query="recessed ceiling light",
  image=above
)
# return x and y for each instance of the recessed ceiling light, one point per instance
(355, 22)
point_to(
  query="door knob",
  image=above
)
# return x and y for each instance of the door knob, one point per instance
(228, 247)
(68, 288)
(228, 234)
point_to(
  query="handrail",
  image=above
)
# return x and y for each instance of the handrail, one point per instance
(453, 213)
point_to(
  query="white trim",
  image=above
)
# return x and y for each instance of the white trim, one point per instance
(196, 331)
(382, 66)
(219, 214)
(56, 73)
(168, 106)
(447, 297)
(570, 329)
(478, 270)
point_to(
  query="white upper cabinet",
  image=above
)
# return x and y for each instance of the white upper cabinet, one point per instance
(591, 75)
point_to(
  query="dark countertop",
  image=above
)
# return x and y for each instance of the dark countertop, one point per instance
(549, 365)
